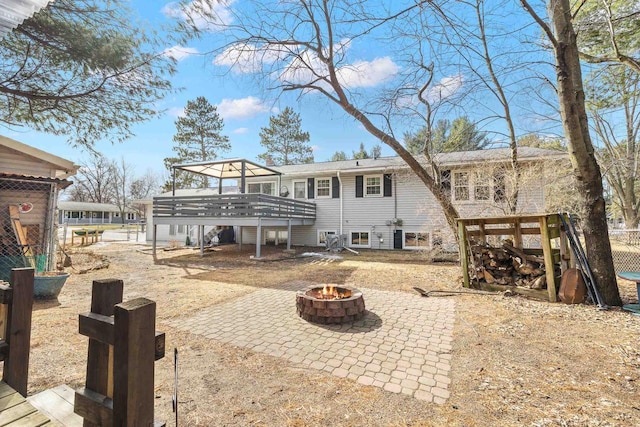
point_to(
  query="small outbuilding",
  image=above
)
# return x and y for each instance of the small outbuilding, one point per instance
(30, 180)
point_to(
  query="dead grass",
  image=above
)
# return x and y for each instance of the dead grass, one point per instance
(515, 361)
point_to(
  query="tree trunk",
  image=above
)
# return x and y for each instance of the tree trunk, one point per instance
(581, 151)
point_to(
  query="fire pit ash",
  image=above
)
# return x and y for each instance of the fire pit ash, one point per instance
(330, 304)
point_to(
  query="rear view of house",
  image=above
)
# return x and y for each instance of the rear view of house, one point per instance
(368, 203)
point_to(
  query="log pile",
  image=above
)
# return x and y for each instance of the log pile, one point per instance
(507, 265)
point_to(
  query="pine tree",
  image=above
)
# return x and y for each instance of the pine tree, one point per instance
(285, 141)
(338, 156)
(198, 138)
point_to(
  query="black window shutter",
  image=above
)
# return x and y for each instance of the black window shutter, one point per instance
(387, 185)
(311, 192)
(359, 181)
(335, 187)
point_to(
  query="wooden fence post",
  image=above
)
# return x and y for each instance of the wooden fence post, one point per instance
(18, 329)
(133, 397)
(123, 346)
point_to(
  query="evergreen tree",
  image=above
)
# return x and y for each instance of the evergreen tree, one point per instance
(82, 68)
(361, 153)
(338, 156)
(199, 139)
(459, 135)
(285, 141)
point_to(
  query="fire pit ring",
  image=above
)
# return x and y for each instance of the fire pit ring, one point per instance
(330, 304)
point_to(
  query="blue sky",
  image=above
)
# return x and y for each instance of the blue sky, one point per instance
(245, 107)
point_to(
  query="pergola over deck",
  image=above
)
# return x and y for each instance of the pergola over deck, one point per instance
(238, 169)
(254, 210)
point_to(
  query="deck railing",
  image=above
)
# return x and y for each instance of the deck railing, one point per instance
(233, 205)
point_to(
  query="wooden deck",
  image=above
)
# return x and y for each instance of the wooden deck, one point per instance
(16, 411)
(232, 209)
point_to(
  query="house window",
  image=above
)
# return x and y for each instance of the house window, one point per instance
(414, 240)
(181, 229)
(373, 186)
(172, 230)
(482, 186)
(461, 186)
(360, 239)
(323, 187)
(322, 236)
(499, 187)
(299, 189)
(261, 188)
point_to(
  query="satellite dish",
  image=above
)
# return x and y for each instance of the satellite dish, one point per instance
(284, 191)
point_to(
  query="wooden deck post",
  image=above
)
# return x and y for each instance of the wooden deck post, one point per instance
(464, 255)
(548, 258)
(105, 294)
(18, 329)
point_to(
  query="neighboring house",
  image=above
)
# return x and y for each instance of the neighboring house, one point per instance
(72, 213)
(30, 180)
(370, 203)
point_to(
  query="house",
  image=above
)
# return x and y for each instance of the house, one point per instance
(70, 212)
(30, 180)
(368, 203)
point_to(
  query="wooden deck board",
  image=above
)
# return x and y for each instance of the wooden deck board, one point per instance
(57, 404)
(16, 411)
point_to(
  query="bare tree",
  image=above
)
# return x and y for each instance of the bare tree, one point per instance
(94, 183)
(142, 188)
(304, 44)
(562, 37)
(614, 97)
(121, 173)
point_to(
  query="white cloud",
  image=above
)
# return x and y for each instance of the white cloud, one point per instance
(246, 58)
(445, 88)
(240, 131)
(243, 108)
(315, 148)
(179, 52)
(176, 111)
(306, 67)
(203, 14)
(368, 73)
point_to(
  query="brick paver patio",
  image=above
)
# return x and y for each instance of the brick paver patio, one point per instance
(402, 345)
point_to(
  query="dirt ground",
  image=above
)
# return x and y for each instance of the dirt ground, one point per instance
(515, 361)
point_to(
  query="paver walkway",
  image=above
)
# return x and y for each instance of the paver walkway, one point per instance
(402, 345)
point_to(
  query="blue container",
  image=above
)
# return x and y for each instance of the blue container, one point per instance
(49, 285)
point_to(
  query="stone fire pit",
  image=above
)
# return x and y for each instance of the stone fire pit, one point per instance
(330, 304)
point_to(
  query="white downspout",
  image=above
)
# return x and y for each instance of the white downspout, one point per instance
(341, 199)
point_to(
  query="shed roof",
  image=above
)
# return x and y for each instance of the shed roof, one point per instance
(13, 12)
(64, 168)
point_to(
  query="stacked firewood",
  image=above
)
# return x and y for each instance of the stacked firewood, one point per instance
(507, 265)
